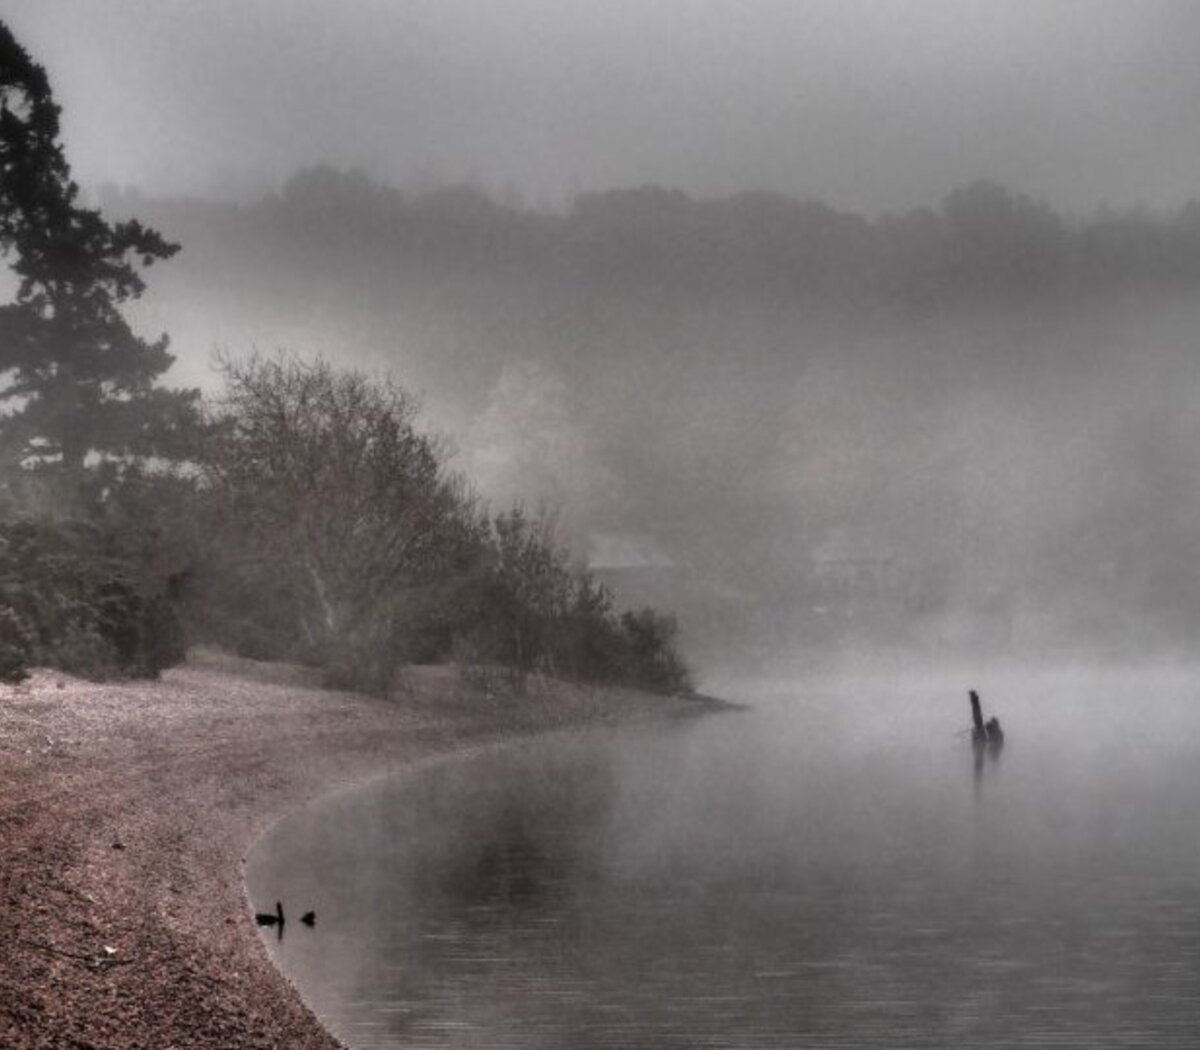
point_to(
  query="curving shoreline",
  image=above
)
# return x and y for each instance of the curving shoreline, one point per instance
(126, 810)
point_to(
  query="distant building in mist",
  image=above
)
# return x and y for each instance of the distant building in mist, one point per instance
(635, 568)
(612, 552)
(841, 566)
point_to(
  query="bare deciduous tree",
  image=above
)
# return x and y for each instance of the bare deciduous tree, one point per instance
(323, 484)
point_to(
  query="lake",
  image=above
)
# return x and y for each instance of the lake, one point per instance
(836, 868)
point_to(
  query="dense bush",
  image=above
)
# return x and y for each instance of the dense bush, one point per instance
(318, 526)
(331, 533)
(73, 596)
(15, 646)
(539, 612)
(649, 654)
(335, 534)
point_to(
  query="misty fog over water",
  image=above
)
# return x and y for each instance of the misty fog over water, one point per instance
(836, 868)
(965, 428)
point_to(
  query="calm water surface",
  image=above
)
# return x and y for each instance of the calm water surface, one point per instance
(831, 870)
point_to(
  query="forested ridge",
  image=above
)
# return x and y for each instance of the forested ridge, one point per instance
(983, 242)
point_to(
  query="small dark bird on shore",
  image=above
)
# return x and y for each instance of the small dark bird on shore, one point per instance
(265, 918)
(309, 918)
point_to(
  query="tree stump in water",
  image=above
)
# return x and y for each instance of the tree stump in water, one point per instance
(979, 733)
(988, 732)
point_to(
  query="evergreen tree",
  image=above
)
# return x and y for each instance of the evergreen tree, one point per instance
(77, 379)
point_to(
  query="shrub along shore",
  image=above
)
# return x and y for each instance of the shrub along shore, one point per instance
(312, 523)
(127, 809)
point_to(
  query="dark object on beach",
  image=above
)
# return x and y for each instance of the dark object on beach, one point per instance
(266, 918)
(309, 918)
(988, 732)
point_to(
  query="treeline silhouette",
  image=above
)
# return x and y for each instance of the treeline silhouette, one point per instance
(982, 243)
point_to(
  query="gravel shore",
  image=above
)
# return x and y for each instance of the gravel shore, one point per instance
(126, 810)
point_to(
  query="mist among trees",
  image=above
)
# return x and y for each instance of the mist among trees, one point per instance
(300, 514)
(968, 424)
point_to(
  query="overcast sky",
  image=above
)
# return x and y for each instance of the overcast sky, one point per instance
(869, 105)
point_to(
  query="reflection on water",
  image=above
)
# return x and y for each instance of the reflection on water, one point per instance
(834, 871)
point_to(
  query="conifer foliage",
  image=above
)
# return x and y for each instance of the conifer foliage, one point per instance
(75, 377)
(83, 585)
